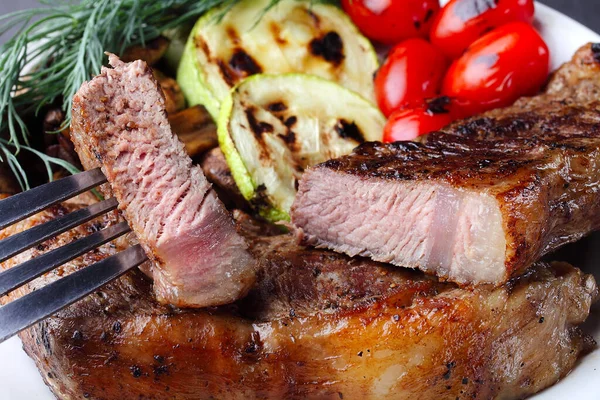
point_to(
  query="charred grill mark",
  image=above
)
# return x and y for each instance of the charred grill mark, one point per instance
(487, 163)
(490, 129)
(261, 199)
(240, 66)
(468, 9)
(244, 64)
(349, 130)
(475, 126)
(290, 121)
(277, 107)
(330, 47)
(257, 127)
(202, 45)
(226, 73)
(289, 138)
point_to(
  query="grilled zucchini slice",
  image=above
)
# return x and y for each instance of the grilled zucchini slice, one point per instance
(292, 36)
(272, 127)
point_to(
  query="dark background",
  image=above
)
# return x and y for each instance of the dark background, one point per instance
(581, 10)
(584, 11)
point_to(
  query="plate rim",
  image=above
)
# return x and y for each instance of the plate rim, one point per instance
(27, 370)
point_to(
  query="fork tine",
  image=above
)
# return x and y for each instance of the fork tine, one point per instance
(23, 205)
(32, 308)
(29, 270)
(22, 241)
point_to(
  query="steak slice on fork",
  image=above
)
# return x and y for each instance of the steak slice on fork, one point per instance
(120, 124)
(478, 202)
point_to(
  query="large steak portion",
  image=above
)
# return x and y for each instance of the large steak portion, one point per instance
(120, 124)
(316, 324)
(478, 202)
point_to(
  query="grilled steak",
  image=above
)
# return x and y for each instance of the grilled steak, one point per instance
(316, 324)
(478, 202)
(119, 122)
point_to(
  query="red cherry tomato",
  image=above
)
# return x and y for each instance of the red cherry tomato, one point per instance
(390, 21)
(409, 123)
(510, 62)
(413, 71)
(461, 22)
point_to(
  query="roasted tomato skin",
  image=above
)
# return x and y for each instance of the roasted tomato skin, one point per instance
(413, 71)
(462, 22)
(391, 21)
(420, 119)
(510, 62)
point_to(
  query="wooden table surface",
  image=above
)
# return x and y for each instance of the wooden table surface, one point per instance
(584, 11)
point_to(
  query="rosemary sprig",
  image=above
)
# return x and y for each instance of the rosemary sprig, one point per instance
(63, 45)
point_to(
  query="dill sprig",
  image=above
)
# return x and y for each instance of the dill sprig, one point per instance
(58, 47)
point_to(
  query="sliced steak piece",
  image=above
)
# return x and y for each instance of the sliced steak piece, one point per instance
(119, 122)
(476, 203)
(316, 325)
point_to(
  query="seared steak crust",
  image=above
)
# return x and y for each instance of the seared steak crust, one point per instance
(316, 324)
(217, 172)
(119, 123)
(483, 199)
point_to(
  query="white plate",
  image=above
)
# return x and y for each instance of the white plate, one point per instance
(20, 379)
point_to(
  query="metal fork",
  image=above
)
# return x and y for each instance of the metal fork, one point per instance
(42, 303)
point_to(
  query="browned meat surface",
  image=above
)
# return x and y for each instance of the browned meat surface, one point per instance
(478, 202)
(196, 129)
(119, 122)
(174, 100)
(316, 324)
(151, 53)
(218, 173)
